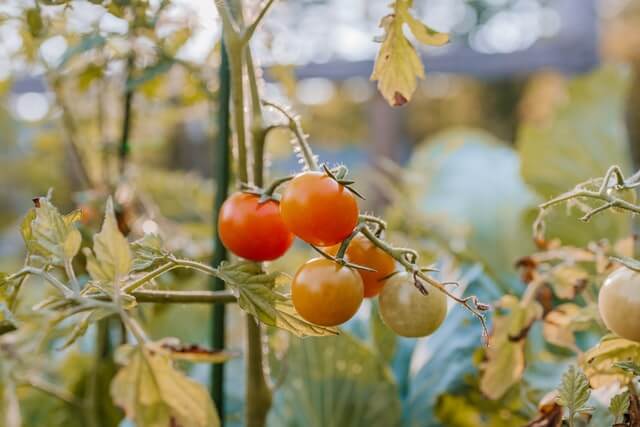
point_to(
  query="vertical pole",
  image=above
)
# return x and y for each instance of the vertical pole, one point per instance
(220, 252)
(125, 145)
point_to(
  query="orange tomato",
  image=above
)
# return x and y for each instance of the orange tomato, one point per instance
(326, 293)
(318, 209)
(362, 252)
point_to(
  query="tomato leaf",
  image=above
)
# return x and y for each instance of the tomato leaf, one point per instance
(563, 321)
(599, 363)
(629, 366)
(398, 66)
(505, 357)
(49, 234)
(574, 391)
(619, 404)
(148, 252)
(257, 296)
(155, 394)
(110, 259)
(194, 353)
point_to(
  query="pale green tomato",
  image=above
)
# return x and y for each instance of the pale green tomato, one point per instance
(408, 312)
(619, 303)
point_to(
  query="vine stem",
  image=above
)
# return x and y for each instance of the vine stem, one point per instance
(408, 258)
(300, 137)
(613, 180)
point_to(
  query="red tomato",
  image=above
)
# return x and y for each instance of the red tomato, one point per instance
(326, 293)
(253, 230)
(318, 209)
(362, 252)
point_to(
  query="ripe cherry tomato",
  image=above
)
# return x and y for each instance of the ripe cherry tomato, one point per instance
(325, 292)
(318, 209)
(408, 312)
(619, 303)
(253, 230)
(362, 252)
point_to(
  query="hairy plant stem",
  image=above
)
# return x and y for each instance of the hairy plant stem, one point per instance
(612, 180)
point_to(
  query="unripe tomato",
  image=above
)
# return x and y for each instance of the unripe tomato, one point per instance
(408, 312)
(619, 303)
(253, 230)
(318, 209)
(325, 292)
(362, 252)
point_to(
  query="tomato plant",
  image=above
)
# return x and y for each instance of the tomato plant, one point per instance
(325, 292)
(253, 229)
(318, 209)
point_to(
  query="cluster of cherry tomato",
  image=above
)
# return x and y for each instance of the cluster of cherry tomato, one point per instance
(320, 210)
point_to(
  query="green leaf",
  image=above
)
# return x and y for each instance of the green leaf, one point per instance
(334, 381)
(49, 234)
(629, 366)
(257, 296)
(88, 43)
(154, 394)
(110, 260)
(574, 391)
(599, 363)
(505, 356)
(148, 252)
(619, 404)
(398, 65)
(581, 139)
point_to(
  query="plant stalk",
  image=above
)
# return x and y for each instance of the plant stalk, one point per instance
(220, 252)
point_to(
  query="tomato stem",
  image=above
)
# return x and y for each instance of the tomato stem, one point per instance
(470, 303)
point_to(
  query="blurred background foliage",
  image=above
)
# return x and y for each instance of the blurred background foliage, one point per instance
(458, 173)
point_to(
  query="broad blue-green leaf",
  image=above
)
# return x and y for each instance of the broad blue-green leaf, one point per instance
(582, 138)
(473, 180)
(335, 382)
(451, 360)
(155, 394)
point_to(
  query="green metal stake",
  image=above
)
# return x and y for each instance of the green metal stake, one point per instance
(222, 175)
